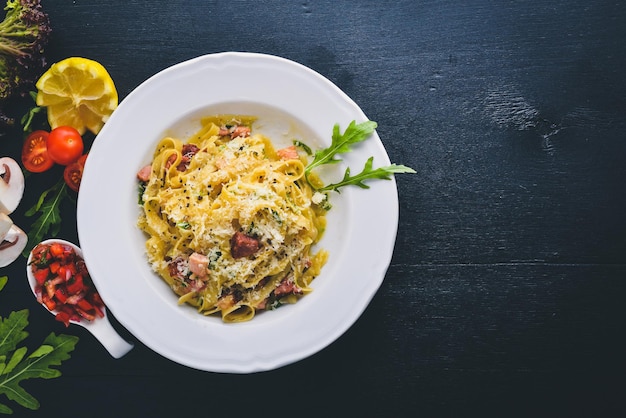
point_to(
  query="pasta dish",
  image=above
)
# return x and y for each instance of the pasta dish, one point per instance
(230, 221)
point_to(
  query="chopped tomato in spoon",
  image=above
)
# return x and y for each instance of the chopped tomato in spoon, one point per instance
(63, 283)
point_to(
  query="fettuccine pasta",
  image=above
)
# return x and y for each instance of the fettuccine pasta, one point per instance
(230, 221)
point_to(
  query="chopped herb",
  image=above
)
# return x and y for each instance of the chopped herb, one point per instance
(303, 146)
(140, 190)
(277, 217)
(213, 257)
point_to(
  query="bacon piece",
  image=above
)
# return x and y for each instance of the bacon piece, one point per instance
(198, 264)
(288, 153)
(287, 287)
(226, 302)
(190, 150)
(178, 268)
(170, 160)
(240, 130)
(235, 131)
(184, 163)
(195, 285)
(262, 305)
(242, 245)
(144, 173)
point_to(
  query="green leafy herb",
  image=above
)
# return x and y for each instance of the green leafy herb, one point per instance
(17, 365)
(49, 220)
(303, 146)
(341, 144)
(183, 225)
(3, 281)
(27, 119)
(141, 189)
(383, 173)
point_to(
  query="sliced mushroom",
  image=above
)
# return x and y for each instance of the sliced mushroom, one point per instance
(12, 245)
(11, 185)
(5, 225)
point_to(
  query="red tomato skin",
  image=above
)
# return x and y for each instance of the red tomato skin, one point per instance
(35, 156)
(70, 291)
(65, 145)
(41, 275)
(63, 317)
(73, 173)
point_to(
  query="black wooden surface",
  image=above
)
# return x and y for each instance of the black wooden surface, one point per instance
(505, 295)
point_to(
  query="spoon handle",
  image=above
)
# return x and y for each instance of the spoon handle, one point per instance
(108, 337)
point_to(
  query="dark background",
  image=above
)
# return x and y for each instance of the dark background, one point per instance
(505, 295)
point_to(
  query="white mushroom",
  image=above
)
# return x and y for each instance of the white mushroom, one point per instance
(11, 185)
(5, 225)
(12, 245)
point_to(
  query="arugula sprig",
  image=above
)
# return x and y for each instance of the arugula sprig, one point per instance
(16, 365)
(27, 119)
(49, 209)
(343, 143)
(383, 173)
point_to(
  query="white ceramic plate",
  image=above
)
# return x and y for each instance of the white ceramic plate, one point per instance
(291, 101)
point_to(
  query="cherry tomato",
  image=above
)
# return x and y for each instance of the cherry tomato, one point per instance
(73, 173)
(65, 145)
(35, 152)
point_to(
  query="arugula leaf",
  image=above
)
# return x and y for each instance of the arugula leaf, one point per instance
(383, 173)
(353, 134)
(303, 146)
(12, 331)
(49, 220)
(16, 366)
(54, 350)
(342, 143)
(3, 281)
(27, 119)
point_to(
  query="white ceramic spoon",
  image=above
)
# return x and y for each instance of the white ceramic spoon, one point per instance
(101, 328)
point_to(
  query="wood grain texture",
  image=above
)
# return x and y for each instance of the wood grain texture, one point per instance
(505, 292)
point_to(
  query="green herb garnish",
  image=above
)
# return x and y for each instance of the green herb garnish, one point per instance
(383, 173)
(49, 220)
(27, 119)
(343, 143)
(17, 365)
(303, 146)
(183, 225)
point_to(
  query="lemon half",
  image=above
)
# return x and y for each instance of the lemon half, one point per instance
(77, 92)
